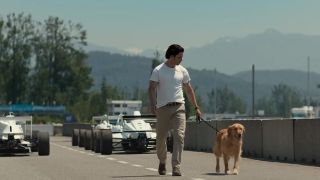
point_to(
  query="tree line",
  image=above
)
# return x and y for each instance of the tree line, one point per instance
(43, 62)
(223, 100)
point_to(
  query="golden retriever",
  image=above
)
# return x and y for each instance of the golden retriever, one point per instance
(229, 144)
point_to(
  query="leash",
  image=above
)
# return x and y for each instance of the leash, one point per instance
(199, 119)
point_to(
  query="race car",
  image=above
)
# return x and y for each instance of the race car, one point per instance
(108, 133)
(137, 133)
(14, 137)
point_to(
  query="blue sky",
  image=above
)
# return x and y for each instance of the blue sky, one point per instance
(154, 24)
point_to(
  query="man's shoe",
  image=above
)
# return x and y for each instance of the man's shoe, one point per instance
(162, 169)
(176, 172)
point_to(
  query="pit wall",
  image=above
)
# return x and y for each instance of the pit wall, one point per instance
(274, 139)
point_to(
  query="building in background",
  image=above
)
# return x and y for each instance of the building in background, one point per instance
(125, 107)
(303, 112)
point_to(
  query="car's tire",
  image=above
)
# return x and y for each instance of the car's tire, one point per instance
(106, 142)
(170, 142)
(97, 140)
(44, 144)
(81, 137)
(93, 140)
(141, 143)
(88, 140)
(75, 137)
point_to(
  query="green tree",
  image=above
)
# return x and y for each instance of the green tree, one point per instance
(267, 105)
(284, 98)
(16, 35)
(190, 111)
(2, 58)
(228, 102)
(211, 101)
(103, 90)
(60, 62)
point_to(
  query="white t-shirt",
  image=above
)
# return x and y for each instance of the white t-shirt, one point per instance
(170, 82)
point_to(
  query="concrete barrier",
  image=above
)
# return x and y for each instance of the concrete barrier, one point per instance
(40, 127)
(191, 134)
(307, 140)
(199, 137)
(206, 136)
(278, 140)
(252, 140)
(68, 127)
(57, 129)
(291, 140)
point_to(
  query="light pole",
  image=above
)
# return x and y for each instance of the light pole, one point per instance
(253, 92)
(308, 82)
(318, 109)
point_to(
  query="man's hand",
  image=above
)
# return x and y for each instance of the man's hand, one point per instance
(198, 114)
(153, 109)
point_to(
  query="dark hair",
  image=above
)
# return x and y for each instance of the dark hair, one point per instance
(173, 49)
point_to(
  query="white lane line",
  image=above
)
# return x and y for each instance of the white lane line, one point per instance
(123, 162)
(111, 159)
(197, 179)
(151, 169)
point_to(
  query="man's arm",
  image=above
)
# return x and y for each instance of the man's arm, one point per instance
(192, 97)
(152, 95)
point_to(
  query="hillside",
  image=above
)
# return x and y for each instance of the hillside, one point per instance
(293, 78)
(130, 72)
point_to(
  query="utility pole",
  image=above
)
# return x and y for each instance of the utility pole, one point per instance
(253, 93)
(308, 83)
(215, 93)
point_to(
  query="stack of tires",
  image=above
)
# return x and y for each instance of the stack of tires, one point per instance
(97, 140)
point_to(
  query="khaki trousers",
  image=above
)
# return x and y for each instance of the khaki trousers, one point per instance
(171, 117)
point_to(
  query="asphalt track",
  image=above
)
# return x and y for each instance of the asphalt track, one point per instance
(73, 163)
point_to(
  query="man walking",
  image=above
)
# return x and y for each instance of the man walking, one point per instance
(167, 82)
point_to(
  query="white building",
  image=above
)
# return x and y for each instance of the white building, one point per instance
(125, 107)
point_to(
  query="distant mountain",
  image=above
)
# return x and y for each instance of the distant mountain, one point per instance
(150, 53)
(270, 50)
(94, 47)
(124, 71)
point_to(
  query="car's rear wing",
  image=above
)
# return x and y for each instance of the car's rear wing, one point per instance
(20, 119)
(103, 117)
(98, 119)
(139, 116)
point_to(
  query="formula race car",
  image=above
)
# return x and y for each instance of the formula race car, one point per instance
(15, 139)
(137, 133)
(108, 133)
